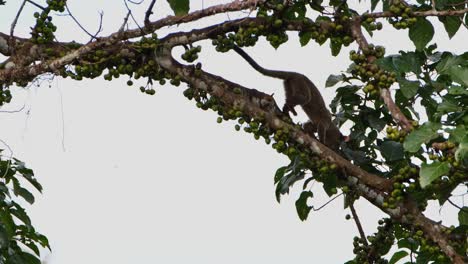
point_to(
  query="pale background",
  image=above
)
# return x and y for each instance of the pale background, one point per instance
(132, 178)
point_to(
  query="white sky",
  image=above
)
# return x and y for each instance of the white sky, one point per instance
(132, 178)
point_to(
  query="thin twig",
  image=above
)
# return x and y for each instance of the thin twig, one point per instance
(101, 15)
(149, 12)
(325, 204)
(13, 111)
(135, 3)
(13, 25)
(133, 18)
(358, 223)
(452, 12)
(35, 4)
(122, 28)
(456, 206)
(78, 23)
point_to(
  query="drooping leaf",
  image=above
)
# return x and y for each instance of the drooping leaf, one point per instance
(180, 7)
(329, 184)
(463, 216)
(420, 136)
(421, 33)
(334, 79)
(302, 208)
(451, 24)
(20, 213)
(335, 46)
(433, 171)
(304, 37)
(392, 151)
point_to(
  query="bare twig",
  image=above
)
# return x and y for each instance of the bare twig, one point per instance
(13, 111)
(136, 3)
(133, 18)
(358, 223)
(35, 4)
(149, 12)
(101, 15)
(78, 23)
(325, 204)
(13, 25)
(122, 28)
(456, 206)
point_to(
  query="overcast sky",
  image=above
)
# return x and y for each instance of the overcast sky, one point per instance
(132, 178)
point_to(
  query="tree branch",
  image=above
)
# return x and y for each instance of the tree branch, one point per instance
(28, 73)
(428, 13)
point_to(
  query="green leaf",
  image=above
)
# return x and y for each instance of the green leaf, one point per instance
(397, 256)
(463, 216)
(423, 134)
(448, 60)
(301, 205)
(392, 151)
(7, 221)
(407, 62)
(447, 106)
(334, 79)
(316, 5)
(280, 173)
(3, 238)
(180, 7)
(409, 88)
(20, 191)
(20, 213)
(459, 75)
(461, 155)
(282, 187)
(458, 134)
(376, 122)
(451, 24)
(335, 46)
(295, 12)
(29, 258)
(374, 4)
(431, 172)
(421, 33)
(329, 184)
(457, 90)
(304, 37)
